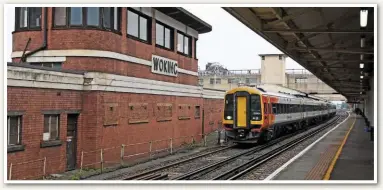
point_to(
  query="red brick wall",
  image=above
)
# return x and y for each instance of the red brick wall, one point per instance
(94, 129)
(61, 39)
(213, 114)
(33, 102)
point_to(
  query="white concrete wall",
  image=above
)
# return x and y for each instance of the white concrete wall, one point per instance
(273, 70)
(37, 78)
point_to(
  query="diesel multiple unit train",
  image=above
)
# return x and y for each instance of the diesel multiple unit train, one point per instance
(252, 115)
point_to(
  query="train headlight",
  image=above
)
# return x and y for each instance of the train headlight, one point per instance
(228, 117)
(257, 118)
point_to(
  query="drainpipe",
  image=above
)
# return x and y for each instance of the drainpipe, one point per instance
(44, 46)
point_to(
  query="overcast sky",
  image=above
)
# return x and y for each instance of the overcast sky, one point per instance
(230, 43)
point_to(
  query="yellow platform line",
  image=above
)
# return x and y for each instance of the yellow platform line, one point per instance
(333, 162)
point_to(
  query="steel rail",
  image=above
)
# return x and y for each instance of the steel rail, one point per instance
(242, 169)
(149, 172)
(205, 169)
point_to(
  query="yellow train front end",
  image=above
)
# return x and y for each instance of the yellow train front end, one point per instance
(243, 115)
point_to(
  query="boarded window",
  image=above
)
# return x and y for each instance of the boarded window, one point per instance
(197, 112)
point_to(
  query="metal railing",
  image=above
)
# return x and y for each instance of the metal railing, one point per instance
(230, 72)
(111, 156)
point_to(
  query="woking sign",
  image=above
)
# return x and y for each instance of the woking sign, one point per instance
(164, 66)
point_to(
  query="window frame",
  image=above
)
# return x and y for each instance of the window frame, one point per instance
(195, 48)
(19, 131)
(259, 99)
(41, 64)
(190, 46)
(171, 36)
(84, 24)
(28, 28)
(58, 127)
(197, 107)
(148, 27)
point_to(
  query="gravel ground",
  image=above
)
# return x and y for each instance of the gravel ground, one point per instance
(268, 168)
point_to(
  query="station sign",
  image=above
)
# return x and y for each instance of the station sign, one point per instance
(164, 66)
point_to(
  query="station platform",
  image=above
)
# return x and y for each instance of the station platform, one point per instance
(345, 153)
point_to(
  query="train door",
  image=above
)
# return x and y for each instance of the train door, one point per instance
(241, 111)
(266, 111)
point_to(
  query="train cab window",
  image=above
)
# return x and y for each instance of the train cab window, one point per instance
(255, 108)
(229, 107)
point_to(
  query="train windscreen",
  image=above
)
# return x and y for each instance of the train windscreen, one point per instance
(229, 107)
(255, 108)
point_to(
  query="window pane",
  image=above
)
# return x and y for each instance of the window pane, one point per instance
(159, 34)
(93, 16)
(13, 130)
(195, 48)
(46, 123)
(35, 16)
(54, 128)
(143, 28)
(132, 24)
(116, 18)
(167, 38)
(60, 16)
(46, 128)
(180, 43)
(106, 17)
(76, 16)
(57, 65)
(23, 17)
(186, 49)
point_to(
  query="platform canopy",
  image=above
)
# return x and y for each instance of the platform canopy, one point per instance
(333, 43)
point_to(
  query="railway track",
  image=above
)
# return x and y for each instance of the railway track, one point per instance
(255, 162)
(152, 172)
(250, 163)
(161, 173)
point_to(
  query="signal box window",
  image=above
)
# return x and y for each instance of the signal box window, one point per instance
(164, 36)
(184, 44)
(28, 18)
(138, 26)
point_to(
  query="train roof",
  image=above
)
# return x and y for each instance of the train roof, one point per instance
(258, 90)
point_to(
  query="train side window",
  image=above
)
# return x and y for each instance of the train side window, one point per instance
(281, 109)
(265, 108)
(274, 108)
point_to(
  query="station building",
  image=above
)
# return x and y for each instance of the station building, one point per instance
(273, 71)
(91, 78)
